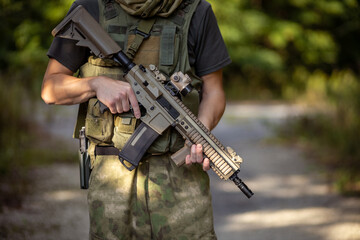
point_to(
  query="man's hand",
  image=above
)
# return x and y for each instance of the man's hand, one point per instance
(61, 87)
(196, 156)
(211, 109)
(116, 95)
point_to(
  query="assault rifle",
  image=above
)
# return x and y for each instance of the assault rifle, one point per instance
(162, 108)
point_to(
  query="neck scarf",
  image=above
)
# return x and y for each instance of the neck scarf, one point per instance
(149, 8)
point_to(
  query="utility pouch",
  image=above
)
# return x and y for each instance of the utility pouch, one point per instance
(98, 125)
(124, 127)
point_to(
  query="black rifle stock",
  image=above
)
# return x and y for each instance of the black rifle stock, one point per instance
(162, 108)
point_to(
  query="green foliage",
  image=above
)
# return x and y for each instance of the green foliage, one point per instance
(22, 143)
(297, 49)
(331, 132)
(25, 37)
(23, 45)
(270, 40)
(305, 51)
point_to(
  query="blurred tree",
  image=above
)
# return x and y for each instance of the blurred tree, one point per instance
(302, 50)
(280, 49)
(26, 35)
(271, 41)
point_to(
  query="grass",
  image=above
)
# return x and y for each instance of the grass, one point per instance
(34, 149)
(23, 145)
(332, 145)
(331, 132)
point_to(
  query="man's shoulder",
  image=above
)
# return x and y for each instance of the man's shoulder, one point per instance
(201, 14)
(203, 7)
(86, 2)
(204, 4)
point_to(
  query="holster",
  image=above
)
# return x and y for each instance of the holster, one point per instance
(84, 160)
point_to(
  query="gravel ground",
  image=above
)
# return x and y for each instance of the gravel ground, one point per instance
(292, 200)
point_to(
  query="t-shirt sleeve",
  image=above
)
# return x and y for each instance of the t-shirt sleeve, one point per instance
(207, 50)
(65, 51)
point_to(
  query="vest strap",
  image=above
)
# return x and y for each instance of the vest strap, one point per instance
(142, 32)
(167, 50)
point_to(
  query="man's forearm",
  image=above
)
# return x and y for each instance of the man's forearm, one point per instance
(212, 105)
(211, 110)
(60, 87)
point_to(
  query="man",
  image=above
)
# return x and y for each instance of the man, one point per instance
(157, 200)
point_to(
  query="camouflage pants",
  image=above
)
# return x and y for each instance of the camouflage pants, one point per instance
(157, 200)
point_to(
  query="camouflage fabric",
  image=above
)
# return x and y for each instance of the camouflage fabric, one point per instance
(149, 8)
(157, 200)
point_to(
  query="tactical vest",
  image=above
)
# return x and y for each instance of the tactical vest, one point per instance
(158, 41)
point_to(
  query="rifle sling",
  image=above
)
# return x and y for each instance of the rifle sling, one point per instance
(142, 32)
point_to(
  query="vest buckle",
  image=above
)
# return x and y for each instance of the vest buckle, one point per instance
(141, 33)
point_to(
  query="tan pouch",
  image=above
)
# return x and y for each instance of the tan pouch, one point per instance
(98, 126)
(123, 129)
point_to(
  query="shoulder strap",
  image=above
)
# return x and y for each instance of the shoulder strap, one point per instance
(142, 32)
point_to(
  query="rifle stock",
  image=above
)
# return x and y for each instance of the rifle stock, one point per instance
(162, 108)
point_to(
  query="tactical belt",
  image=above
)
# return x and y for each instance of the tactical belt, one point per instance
(104, 150)
(109, 150)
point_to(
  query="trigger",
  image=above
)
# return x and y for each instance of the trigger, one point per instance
(142, 110)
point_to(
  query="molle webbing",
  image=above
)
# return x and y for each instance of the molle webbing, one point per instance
(167, 50)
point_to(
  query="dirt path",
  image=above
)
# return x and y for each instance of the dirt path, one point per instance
(291, 199)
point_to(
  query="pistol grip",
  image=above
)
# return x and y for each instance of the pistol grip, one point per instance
(179, 157)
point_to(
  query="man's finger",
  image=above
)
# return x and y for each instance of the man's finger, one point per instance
(193, 154)
(113, 108)
(199, 155)
(119, 109)
(206, 164)
(125, 105)
(187, 160)
(134, 104)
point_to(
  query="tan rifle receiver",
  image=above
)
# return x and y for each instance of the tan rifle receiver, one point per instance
(163, 110)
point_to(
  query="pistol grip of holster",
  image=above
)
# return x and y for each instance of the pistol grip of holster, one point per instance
(137, 145)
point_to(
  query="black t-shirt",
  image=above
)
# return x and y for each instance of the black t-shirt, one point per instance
(206, 48)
